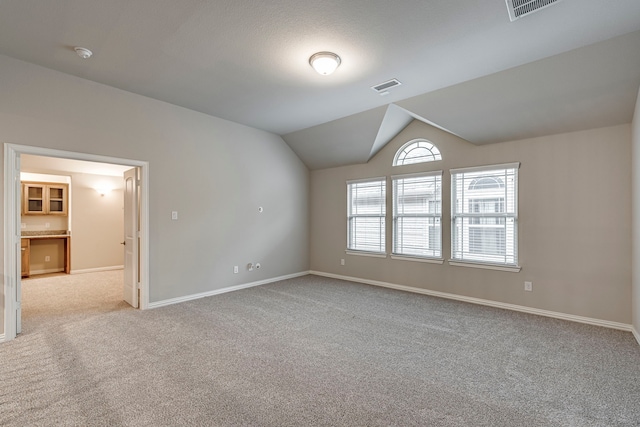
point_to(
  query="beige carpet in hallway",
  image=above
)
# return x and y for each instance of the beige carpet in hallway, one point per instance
(56, 299)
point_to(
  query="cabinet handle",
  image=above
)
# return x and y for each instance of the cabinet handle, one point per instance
(123, 243)
(24, 249)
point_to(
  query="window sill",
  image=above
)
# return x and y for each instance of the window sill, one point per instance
(363, 253)
(418, 259)
(509, 268)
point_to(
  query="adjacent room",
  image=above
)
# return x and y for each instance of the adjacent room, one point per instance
(70, 211)
(336, 213)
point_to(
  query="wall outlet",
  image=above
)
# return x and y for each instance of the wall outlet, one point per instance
(528, 286)
(342, 261)
(47, 258)
(47, 225)
(174, 215)
(235, 269)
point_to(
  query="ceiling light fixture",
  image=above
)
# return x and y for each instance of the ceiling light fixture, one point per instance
(324, 63)
(83, 52)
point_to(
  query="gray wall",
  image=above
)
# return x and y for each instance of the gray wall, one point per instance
(574, 223)
(636, 219)
(215, 173)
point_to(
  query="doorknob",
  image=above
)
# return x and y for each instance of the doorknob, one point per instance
(123, 243)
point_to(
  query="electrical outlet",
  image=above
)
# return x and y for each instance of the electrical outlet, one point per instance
(528, 286)
(235, 269)
(47, 258)
(342, 261)
(47, 225)
(174, 215)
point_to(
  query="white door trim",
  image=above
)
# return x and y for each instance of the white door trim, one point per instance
(12, 232)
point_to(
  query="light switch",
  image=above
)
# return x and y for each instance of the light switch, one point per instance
(174, 215)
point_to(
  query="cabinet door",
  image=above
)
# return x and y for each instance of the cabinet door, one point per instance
(34, 199)
(57, 199)
(24, 263)
(44, 199)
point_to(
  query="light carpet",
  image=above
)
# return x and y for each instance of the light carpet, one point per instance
(314, 351)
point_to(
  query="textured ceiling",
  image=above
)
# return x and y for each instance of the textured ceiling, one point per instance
(246, 61)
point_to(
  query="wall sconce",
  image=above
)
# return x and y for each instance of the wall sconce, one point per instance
(103, 191)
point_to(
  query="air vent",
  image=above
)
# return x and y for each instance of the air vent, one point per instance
(519, 8)
(383, 88)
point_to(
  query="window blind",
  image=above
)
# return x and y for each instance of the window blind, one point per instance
(484, 214)
(417, 215)
(366, 215)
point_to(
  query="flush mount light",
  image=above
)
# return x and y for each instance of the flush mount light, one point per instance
(83, 52)
(324, 63)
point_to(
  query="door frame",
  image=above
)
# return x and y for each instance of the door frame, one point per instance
(12, 153)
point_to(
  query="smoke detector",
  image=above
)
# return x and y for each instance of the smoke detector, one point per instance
(519, 8)
(83, 52)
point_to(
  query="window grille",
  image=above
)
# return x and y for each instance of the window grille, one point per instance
(416, 151)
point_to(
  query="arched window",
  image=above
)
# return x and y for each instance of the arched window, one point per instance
(416, 151)
(486, 183)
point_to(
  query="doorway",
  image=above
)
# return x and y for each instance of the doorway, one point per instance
(13, 155)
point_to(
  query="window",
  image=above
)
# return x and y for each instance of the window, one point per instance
(484, 214)
(366, 215)
(417, 215)
(416, 151)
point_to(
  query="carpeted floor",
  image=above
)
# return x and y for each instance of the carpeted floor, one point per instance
(62, 298)
(316, 352)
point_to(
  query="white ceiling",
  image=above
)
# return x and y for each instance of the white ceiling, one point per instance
(462, 63)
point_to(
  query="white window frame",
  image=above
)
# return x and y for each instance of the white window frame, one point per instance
(352, 218)
(435, 216)
(435, 156)
(467, 216)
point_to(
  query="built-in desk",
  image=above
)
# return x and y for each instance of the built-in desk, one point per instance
(35, 235)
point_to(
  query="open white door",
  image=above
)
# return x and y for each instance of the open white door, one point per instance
(18, 264)
(130, 283)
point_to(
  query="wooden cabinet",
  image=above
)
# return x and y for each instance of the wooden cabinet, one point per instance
(44, 198)
(24, 263)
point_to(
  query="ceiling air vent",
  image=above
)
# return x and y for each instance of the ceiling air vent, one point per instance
(383, 88)
(519, 8)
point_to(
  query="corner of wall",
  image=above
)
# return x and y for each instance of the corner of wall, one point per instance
(635, 257)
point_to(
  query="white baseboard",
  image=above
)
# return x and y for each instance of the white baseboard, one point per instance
(490, 303)
(1, 338)
(46, 271)
(223, 290)
(635, 334)
(95, 270)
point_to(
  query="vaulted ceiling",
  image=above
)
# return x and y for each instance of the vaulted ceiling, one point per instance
(464, 66)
